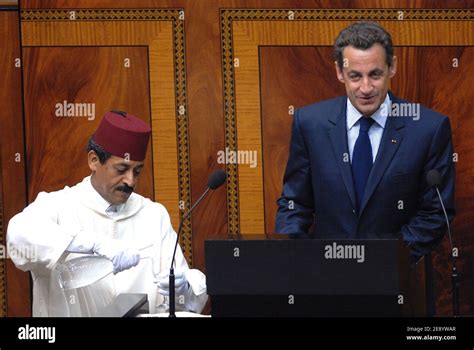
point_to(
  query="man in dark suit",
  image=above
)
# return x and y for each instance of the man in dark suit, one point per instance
(357, 164)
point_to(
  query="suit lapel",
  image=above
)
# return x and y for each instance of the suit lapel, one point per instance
(391, 139)
(338, 137)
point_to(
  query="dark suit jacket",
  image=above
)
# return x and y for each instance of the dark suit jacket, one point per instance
(318, 191)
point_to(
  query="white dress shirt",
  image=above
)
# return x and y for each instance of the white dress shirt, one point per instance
(375, 131)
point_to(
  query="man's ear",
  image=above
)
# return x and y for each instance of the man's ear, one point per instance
(93, 161)
(339, 72)
(393, 67)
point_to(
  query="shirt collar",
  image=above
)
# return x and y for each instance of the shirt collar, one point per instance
(91, 199)
(380, 115)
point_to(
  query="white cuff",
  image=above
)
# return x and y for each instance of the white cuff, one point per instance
(197, 281)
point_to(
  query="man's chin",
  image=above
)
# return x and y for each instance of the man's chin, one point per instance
(121, 198)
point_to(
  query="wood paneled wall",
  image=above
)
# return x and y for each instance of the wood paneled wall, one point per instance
(18, 297)
(96, 76)
(282, 62)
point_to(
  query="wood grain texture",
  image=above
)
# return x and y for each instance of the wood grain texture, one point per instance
(321, 32)
(12, 149)
(9, 4)
(163, 104)
(433, 4)
(427, 75)
(304, 76)
(206, 126)
(3, 240)
(56, 145)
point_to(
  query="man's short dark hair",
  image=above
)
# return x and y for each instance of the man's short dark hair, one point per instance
(101, 153)
(363, 35)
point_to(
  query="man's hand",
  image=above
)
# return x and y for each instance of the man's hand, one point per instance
(163, 282)
(122, 255)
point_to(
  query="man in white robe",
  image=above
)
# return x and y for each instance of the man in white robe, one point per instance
(102, 216)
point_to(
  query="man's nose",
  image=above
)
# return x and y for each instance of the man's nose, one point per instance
(129, 179)
(365, 86)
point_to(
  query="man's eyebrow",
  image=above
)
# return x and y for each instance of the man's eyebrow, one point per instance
(376, 70)
(353, 72)
(122, 165)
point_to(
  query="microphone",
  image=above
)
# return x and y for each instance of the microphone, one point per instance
(433, 177)
(216, 179)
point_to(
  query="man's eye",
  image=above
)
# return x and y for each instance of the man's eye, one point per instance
(137, 172)
(121, 171)
(354, 77)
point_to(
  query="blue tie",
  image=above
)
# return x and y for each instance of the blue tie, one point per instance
(362, 159)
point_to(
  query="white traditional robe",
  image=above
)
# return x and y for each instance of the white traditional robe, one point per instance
(47, 226)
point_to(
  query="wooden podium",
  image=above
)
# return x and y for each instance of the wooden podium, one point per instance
(311, 278)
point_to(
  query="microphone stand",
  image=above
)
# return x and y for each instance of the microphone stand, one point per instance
(172, 312)
(454, 273)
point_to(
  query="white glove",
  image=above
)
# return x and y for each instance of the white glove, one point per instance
(122, 254)
(163, 283)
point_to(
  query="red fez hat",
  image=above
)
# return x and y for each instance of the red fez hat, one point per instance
(123, 135)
